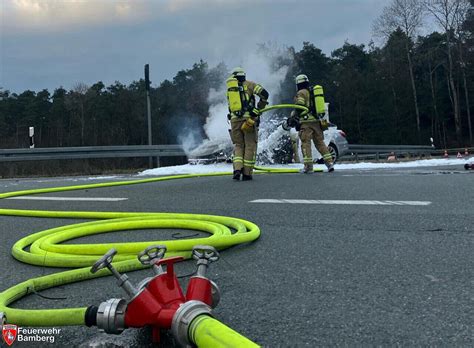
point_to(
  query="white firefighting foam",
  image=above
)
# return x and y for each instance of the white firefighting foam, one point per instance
(363, 166)
(258, 68)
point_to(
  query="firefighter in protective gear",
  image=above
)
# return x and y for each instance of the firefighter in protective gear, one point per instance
(309, 123)
(244, 116)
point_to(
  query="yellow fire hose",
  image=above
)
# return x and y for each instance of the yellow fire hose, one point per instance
(45, 249)
(285, 106)
(205, 331)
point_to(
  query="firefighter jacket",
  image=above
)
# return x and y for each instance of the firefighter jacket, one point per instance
(250, 90)
(303, 97)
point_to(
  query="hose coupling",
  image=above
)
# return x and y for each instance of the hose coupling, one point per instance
(3, 319)
(111, 316)
(90, 317)
(204, 254)
(183, 318)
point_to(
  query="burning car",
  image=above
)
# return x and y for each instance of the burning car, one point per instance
(274, 147)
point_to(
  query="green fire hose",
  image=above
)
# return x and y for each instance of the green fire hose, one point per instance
(285, 106)
(205, 331)
(45, 248)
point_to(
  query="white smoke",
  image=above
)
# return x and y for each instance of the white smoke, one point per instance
(258, 68)
(216, 123)
(190, 139)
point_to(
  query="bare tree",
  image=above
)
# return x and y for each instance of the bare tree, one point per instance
(79, 91)
(408, 16)
(461, 36)
(463, 64)
(449, 15)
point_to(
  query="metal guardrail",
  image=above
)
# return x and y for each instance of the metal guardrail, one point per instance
(389, 148)
(85, 152)
(377, 152)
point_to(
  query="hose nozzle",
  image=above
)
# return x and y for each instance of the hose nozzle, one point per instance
(285, 126)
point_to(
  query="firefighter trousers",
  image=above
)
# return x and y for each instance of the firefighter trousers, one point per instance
(245, 146)
(313, 131)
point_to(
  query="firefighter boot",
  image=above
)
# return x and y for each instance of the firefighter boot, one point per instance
(330, 167)
(237, 174)
(246, 177)
(307, 169)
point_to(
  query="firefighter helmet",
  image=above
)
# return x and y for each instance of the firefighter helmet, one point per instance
(239, 73)
(301, 78)
(302, 82)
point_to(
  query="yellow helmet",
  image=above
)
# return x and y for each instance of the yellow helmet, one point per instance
(301, 78)
(239, 73)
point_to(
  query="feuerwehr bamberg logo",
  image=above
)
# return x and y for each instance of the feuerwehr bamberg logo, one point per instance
(9, 333)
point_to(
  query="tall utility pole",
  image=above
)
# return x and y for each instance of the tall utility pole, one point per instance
(148, 109)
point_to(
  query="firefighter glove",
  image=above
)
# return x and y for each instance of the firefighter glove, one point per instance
(261, 104)
(324, 124)
(293, 121)
(248, 125)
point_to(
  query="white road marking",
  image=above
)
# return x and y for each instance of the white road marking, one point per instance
(82, 199)
(340, 202)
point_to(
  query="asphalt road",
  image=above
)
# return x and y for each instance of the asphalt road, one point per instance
(320, 274)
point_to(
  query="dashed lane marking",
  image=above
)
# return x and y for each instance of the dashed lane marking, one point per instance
(82, 199)
(340, 202)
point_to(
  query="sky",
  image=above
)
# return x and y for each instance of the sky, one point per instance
(53, 43)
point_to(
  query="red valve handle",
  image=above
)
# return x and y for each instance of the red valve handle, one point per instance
(169, 262)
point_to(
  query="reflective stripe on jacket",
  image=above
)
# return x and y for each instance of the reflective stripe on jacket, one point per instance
(303, 98)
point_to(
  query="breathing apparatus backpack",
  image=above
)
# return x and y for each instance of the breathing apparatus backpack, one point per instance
(236, 96)
(317, 103)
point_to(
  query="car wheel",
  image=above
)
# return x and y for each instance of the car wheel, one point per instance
(333, 151)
